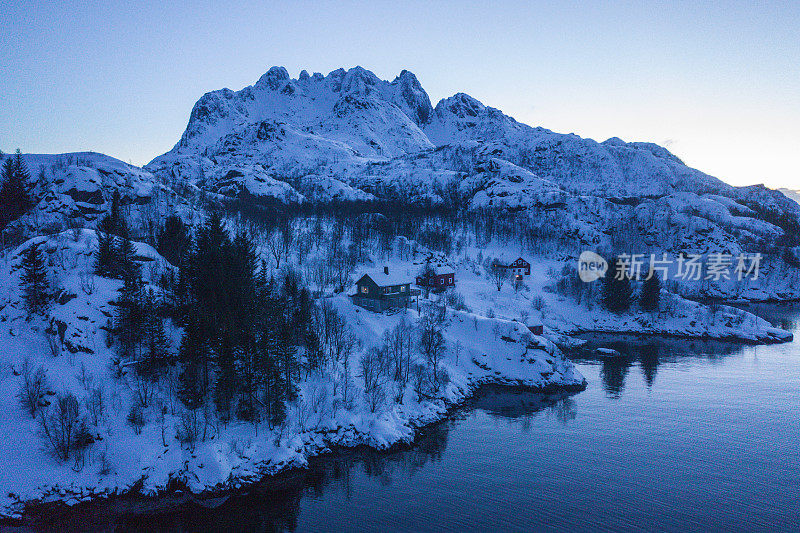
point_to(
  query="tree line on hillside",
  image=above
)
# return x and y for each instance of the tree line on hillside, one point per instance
(250, 332)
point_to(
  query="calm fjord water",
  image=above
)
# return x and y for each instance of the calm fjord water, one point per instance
(678, 435)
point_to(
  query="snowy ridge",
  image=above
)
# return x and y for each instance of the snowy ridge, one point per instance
(75, 190)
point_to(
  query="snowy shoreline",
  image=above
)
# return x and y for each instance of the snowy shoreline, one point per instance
(778, 337)
(318, 444)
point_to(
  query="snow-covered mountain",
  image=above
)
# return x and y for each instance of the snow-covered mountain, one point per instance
(350, 135)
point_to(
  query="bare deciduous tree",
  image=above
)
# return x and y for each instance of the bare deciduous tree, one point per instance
(32, 389)
(374, 367)
(59, 423)
(498, 274)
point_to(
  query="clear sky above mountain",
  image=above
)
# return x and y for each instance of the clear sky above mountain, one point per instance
(717, 83)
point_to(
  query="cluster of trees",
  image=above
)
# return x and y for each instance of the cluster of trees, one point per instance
(61, 419)
(115, 251)
(618, 294)
(389, 368)
(616, 291)
(15, 197)
(243, 328)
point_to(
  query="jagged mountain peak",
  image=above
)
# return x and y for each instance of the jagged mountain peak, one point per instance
(274, 78)
(412, 98)
(461, 105)
(360, 134)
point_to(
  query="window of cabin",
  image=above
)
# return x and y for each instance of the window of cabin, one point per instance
(403, 288)
(365, 289)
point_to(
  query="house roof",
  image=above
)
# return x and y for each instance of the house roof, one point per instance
(506, 257)
(440, 269)
(382, 279)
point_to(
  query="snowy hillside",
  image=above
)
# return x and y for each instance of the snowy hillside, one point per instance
(75, 190)
(70, 345)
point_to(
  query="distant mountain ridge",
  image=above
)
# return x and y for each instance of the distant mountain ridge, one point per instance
(794, 195)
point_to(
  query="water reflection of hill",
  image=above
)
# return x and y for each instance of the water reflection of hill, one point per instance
(523, 404)
(274, 504)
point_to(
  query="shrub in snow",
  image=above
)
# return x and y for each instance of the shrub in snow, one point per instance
(136, 418)
(53, 343)
(32, 389)
(83, 439)
(455, 300)
(423, 381)
(95, 404)
(189, 428)
(87, 283)
(59, 424)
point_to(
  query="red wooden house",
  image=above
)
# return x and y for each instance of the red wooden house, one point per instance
(439, 279)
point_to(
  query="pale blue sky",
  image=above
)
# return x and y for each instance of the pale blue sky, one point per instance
(719, 83)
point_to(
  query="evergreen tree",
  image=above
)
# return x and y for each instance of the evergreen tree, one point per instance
(155, 348)
(274, 393)
(14, 197)
(131, 318)
(113, 222)
(125, 265)
(650, 296)
(174, 240)
(194, 360)
(35, 287)
(617, 290)
(249, 381)
(225, 386)
(105, 262)
(285, 357)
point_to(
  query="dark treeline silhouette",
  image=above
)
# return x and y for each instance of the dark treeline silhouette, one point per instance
(243, 328)
(539, 228)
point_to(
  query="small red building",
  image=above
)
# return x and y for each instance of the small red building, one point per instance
(439, 279)
(519, 268)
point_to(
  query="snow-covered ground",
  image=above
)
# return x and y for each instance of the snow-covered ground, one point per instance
(563, 315)
(479, 350)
